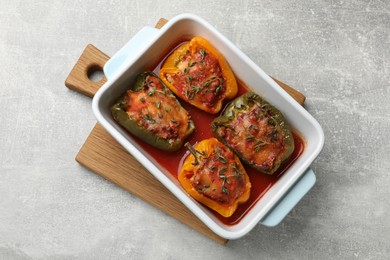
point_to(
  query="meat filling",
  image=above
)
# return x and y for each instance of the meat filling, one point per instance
(218, 176)
(199, 78)
(157, 110)
(255, 136)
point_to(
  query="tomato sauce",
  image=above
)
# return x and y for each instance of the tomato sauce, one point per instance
(261, 182)
(172, 161)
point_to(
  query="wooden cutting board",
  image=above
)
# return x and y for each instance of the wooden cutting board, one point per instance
(104, 156)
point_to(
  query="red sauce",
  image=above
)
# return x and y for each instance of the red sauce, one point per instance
(172, 162)
(261, 183)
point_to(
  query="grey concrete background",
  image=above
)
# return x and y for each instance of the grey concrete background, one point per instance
(335, 52)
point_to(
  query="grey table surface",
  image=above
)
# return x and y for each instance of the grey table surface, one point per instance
(335, 52)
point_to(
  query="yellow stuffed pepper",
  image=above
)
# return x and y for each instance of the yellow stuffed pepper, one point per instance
(197, 73)
(213, 175)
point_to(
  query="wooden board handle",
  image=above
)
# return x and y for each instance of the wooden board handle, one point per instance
(93, 59)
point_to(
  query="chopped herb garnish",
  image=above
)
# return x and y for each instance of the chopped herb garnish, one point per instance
(260, 142)
(207, 83)
(160, 115)
(225, 190)
(222, 171)
(212, 167)
(142, 99)
(271, 122)
(167, 110)
(191, 63)
(222, 159)
(158, 104)
(190, 78)
(249, 137)
(196, 89)
(150, 93)
(219, 88)
(149, 118)
(189, 94)
(236, 170)
(223, 176)
(173, 120)
(257, 148)
(203, 53)
(220, 156)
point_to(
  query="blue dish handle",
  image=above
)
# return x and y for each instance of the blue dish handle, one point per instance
(129, 50)
(290, 199)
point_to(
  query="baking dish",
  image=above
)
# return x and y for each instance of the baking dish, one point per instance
(143, 52)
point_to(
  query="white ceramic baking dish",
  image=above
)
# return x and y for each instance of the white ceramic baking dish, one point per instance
(144, 51)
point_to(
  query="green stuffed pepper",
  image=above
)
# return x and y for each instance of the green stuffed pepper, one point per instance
(256, 131)
(151, 112)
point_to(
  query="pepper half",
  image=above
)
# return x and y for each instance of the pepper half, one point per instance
(150, 111)
(256, 131)
(214, 176)
(197, 73)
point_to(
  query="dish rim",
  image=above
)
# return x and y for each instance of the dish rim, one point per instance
(228, 232)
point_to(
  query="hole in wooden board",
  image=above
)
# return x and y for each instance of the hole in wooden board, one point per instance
(95, 73)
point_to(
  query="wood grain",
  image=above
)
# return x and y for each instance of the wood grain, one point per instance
(104, 156)
(161, 23)
(298, 96)
(91, 59)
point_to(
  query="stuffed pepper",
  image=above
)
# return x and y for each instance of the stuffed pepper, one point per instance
(150, 111)
(256, 131)
(213, 175)
(197, 73)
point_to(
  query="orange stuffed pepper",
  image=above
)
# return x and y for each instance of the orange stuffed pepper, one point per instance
(197, 73)
(213, 175)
